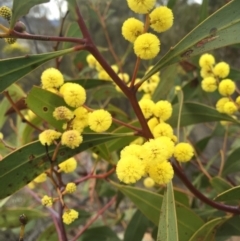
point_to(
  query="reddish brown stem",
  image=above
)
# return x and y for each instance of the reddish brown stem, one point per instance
(91, 221)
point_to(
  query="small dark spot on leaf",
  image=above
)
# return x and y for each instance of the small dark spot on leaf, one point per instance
(45, 109)
(62, 153)
(10, 185)
(90, 145)
(31, 157)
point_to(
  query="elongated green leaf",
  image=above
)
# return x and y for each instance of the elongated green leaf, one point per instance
(219, 184)
(218, 30)
(21, 8)
(149, 204)
(166, 83)
(43, 103)
(9, 218)
(208, 230)
(136, 227)
(72, 31)
(16, 93)
(49, 234)
(229, 195)
(203, 10)
(21, 66)
(232, 164)
(167, 228)
(229, 228)
(99, 234)
(90, 83)
(193, 113)
(21, 166)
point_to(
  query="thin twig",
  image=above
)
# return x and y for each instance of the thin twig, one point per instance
(6, 94)
(91, 221)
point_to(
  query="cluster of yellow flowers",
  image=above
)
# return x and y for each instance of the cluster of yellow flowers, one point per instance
(152, 157)
(67, 166)
(146, 45)
(6, 13)
(75, 115)
(215, 77)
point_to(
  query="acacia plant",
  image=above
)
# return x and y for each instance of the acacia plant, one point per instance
(145, 152)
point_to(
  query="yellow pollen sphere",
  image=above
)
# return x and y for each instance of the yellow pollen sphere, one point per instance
(183, 152)
(146, 46)
(141, 6)
(51, 78)
(161, 19)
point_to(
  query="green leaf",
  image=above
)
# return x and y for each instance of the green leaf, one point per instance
(43, 103)
(136, 227)
(21, 8)
(9, 218)
(21, 66)
(208, 230)
(219, 184)
(167, 228)
(203, 11)
(212, 33)
(90, 83)
(16, 93)
(24, 164)
(99, 234)
(74, 32)
(230, 228)
(49, 234)
(232, 164)
(149, 204)
(166, 83)
(229, 195)
(193, 113)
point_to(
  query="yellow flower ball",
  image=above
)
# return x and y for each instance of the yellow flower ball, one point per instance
(146, 46)
(238, 100)
(47, 201)
(206, 61)
(124, 77)
(77, 125)
(148, 182)
(220, 104)
(230, 108)
(161, 172)
(81, 114)
(1, 136)
(138, 141)
(143, 6)
(183, 152)
(99, 120)
(71, 139)
(206, 72)
(103, 75)
(48, 137)
(62, 113)
(51, 78)
(115, 68)
(71, 187)
(73, 94)
(152, 123)
(163, 129)
(147, 107)
(169, 143)
(41, 178)
(226, 87)
(10, 40)
(130, 169)
(154, 79)
(68, 166)
(161, 19)
(6, 13)
(209, 84)
(92, 62)
(132, 28)
(69, 216)
(148, 87)
(221, 69)
(155, 150)
(163, 110)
